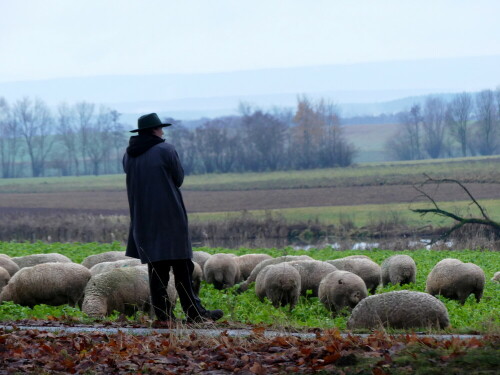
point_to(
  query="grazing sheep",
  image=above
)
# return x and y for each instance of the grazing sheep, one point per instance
(367, 269)
(339, 263)
(398, 269)
(108, 266)
(48, 283)
(340, 289)
(201, 257)
(248, 262)
(4, 278)
(222, 271)
(311, 273)
(456, 280)
(108, 256)
(253, 275)
(125, 290)
(197, 276)
(34, 259)
(496, 277)
(400, 309)
(9, 265)
(280, 283)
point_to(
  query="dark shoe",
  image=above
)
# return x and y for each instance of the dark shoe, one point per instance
(208, 315)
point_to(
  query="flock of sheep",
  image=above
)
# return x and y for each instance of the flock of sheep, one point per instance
(112, 281)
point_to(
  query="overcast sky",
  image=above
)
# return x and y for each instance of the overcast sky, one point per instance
(42, 39)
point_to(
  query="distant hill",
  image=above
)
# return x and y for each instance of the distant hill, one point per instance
(359, 89)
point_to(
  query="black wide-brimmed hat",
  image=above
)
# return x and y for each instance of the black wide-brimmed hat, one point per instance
(149, 121)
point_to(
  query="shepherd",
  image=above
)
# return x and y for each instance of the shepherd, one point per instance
(158, 234)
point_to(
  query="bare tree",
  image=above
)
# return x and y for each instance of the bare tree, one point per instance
(35, 122)
(458, 116)
(218, 144)
(68, 132)
(9, 141)
(84, 114)
(100, 139)
(334, 148)
(460, 221)
(433, 126)
(405, 144)
(264, 140)
(184, 141)
(487, 123)
(306, 134)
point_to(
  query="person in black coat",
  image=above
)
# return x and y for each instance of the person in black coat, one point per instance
(158, 234)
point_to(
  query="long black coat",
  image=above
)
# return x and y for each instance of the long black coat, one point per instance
(158, 219)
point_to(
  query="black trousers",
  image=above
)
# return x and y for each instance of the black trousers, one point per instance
(158, 281)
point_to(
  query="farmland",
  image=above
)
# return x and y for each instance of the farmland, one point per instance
(367, 195)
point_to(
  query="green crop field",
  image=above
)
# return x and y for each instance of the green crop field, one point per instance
(247, 309)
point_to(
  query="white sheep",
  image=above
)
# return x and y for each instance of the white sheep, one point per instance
(496, 277)
(4, 278)
(201, 257)
(34, 259)
(341, 289)
(9, 265)
(108, 256)
(454, 279)
(125, 290)
(107, 266)
(311, 273)
(398, 269)
(280, 283)
(253, 275)
(47, 283)
(400, 309)
(197, 277)
(362, 266)
(248, 262)
(222, 271)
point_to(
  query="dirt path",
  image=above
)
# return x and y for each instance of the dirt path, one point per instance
(214, 201)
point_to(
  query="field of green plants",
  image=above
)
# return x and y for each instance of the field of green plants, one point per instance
(245, 308)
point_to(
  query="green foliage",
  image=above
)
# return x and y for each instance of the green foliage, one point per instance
(245, 308)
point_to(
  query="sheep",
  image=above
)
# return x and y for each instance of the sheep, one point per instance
(47, 283)
(340, 289)
(398, 269)
(456, 280)
(9, 265)
(201, 257)
(496, 277)
(400, 309)
(339, 263)
(34, 259)
(367, 269)
(4, 278)
(311, 273)
(197, 276)
(125, 290)
(280, 283)
(107, 266)
(222, 271)
(248, 262)
(109, 256)
(253, 275)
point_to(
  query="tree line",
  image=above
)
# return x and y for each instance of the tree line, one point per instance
(467, 125)
(86, 139)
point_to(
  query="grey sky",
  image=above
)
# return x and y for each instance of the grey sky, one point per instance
(42, 39)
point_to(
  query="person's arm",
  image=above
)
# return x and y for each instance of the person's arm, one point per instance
(176, 168)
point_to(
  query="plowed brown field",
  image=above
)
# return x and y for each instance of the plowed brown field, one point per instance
(217, 201)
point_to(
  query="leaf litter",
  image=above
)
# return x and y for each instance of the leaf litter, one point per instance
(38, 351)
